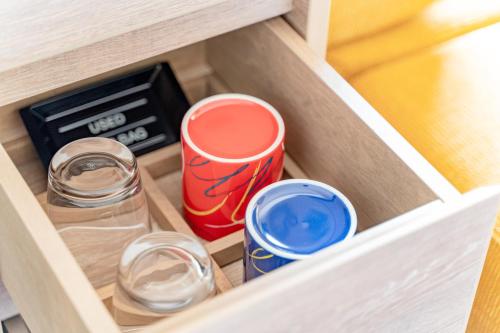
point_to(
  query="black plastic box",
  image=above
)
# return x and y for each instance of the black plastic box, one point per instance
(143, 110)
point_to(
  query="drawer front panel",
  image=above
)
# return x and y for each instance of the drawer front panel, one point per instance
(62, 42)
(417, 275)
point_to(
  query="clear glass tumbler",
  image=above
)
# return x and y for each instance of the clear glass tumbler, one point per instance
(161, 274)
(96, 202)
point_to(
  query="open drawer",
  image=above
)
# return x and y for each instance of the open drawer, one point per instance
(413, 266)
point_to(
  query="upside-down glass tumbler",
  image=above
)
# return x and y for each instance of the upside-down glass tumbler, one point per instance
(96, 202)
(161, 274)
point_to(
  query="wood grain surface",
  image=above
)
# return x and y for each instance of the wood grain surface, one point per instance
(311, 19)
(234, 272)
(413, 275)
(37, 268)
(47, 45)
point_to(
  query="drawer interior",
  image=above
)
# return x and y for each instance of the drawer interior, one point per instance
(325, 139)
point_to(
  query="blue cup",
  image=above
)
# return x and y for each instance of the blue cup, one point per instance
(290, 220)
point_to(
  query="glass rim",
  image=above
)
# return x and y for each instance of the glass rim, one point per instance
(117, 189)
(133, 255)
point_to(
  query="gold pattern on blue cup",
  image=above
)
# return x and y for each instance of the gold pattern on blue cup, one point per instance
(290, 220)
(255, 258)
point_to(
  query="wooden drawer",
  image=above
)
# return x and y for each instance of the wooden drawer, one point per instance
(413, 266)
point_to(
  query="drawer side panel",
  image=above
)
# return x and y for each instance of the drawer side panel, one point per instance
(324, 135)
(42, 277)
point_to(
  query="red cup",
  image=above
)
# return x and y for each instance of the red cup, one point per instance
(232, 146)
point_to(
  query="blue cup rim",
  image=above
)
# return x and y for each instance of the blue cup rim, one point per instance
(250, 223)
